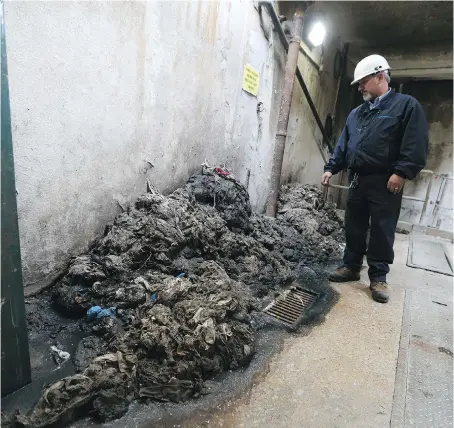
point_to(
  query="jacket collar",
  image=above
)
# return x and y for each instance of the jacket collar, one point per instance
(384, 103)
(375, 103)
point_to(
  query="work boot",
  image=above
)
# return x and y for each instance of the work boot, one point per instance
(344, 274)
(380, 291)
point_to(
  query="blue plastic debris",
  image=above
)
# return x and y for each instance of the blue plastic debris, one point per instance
(154, 297)
(180, 275)
(108, 312)
(93, 312)
(98, 312)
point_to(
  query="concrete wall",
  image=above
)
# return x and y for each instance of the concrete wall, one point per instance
(105, 95)
(436, 98)
(304, 156)
(434, 61)
(303, 161)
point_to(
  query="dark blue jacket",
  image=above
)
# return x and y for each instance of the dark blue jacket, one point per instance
(390, 138)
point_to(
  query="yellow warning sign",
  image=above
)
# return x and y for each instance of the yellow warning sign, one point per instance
(251, 80)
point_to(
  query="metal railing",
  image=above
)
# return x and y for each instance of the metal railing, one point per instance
(408, 198)
(437, 204)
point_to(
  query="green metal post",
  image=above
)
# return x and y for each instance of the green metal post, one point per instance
(16, 371)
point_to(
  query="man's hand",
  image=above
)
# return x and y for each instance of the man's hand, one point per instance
(325, 178)
(395, 183)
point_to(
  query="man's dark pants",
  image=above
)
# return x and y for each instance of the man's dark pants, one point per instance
(371, 200)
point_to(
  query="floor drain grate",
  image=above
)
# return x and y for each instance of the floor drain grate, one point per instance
(291, 305)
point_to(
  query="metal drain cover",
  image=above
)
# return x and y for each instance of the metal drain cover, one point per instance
(291, 305)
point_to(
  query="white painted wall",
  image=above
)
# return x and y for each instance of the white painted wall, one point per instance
(101, 90)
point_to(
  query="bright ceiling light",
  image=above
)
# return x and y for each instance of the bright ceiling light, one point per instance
(317, 34)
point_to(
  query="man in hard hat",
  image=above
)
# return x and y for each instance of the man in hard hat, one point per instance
(384, 142)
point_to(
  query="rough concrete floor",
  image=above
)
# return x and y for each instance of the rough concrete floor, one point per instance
(343, 374)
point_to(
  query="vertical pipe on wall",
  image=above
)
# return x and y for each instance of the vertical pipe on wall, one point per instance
(280, 32)
(16, 371)
(284, 113)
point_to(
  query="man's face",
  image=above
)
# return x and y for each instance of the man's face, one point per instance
(369, 87)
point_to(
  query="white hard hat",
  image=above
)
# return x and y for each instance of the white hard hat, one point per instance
(370, 65)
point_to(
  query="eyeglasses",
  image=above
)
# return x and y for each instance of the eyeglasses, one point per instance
(366, 79)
